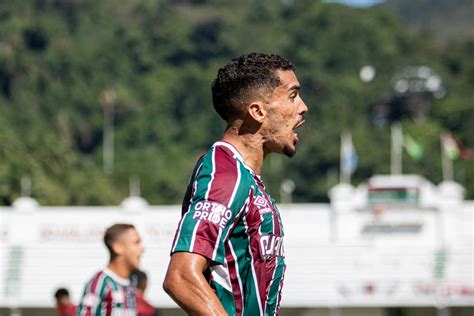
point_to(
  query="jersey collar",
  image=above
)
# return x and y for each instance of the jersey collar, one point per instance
(120, 280)
(236, 154)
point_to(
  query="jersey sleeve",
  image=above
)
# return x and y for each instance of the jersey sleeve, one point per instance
(218, 196)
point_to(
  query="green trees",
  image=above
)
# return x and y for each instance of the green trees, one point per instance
(57, 58)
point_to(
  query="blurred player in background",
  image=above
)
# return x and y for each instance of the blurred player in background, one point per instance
(64, 306)
(227, 256)
(140, 281)
(109, 292)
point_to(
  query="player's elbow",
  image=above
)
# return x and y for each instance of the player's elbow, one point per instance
(185, 272)
(170, 284)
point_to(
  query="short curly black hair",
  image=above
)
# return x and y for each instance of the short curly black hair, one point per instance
(242, 77)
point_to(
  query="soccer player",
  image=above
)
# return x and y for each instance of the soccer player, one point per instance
(109, 292)
(227, 256)
(64, 306)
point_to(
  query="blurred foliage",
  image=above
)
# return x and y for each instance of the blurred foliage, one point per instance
(444, 20)
(59, 57)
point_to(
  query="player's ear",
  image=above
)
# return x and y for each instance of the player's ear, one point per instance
(257, 111)
(118, 247)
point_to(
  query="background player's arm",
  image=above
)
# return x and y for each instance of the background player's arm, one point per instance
(186, 284)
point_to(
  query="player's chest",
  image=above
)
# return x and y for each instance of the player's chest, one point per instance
(265, 214)
(121, 301)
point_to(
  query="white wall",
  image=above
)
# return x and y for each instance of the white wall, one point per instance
(331, 261)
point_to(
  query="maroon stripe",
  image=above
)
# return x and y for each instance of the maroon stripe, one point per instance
(94, 281)
(231, 264)
(203, 246)
(254, 218)
(87, 311)
(276, 223)
(225, 176)
(92, 287)
(222, 184)
(276, 220)
(270, 267)
(108, 303)
(244, 208)
(260, 271)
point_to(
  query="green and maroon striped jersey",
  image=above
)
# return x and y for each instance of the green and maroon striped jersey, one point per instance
(228, 217)
(107, 294)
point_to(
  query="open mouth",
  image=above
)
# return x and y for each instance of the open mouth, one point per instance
(298, 126)
(294, 130)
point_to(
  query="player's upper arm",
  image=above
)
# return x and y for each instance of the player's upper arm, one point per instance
(187, 261)
(218, 200)
(184, 267)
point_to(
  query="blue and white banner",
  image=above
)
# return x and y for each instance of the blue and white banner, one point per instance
(348, 157)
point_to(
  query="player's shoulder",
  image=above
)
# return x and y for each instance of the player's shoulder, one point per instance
(224, 161)
(219, 152)
(217, 159)
(98, 281)
(95, 290)
(98, 276)
(223, 154)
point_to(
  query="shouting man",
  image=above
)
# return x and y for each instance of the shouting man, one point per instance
(227, 256)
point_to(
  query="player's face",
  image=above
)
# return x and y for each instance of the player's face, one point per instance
(63, 301)
(285, 115)
(132, 248)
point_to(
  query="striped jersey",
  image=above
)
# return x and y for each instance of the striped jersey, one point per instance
(228, 217)
(107, 294)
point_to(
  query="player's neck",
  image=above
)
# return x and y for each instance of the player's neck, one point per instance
(250, 146)
(119, 269)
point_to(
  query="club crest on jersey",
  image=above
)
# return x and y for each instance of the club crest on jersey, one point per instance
(213, 212)
(272, 246)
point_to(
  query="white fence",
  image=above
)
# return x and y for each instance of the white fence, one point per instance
(406, 257)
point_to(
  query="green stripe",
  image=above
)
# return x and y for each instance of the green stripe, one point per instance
(238, 202)
(116, 288)
(226, 298)
(266, 227)
(81, 306)
(103, 287)
(204, 176)
(189, 189)
(187, 228)
(242, 250)
(251, 301)
(240, 246)
(280, 222)
(272, 301)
